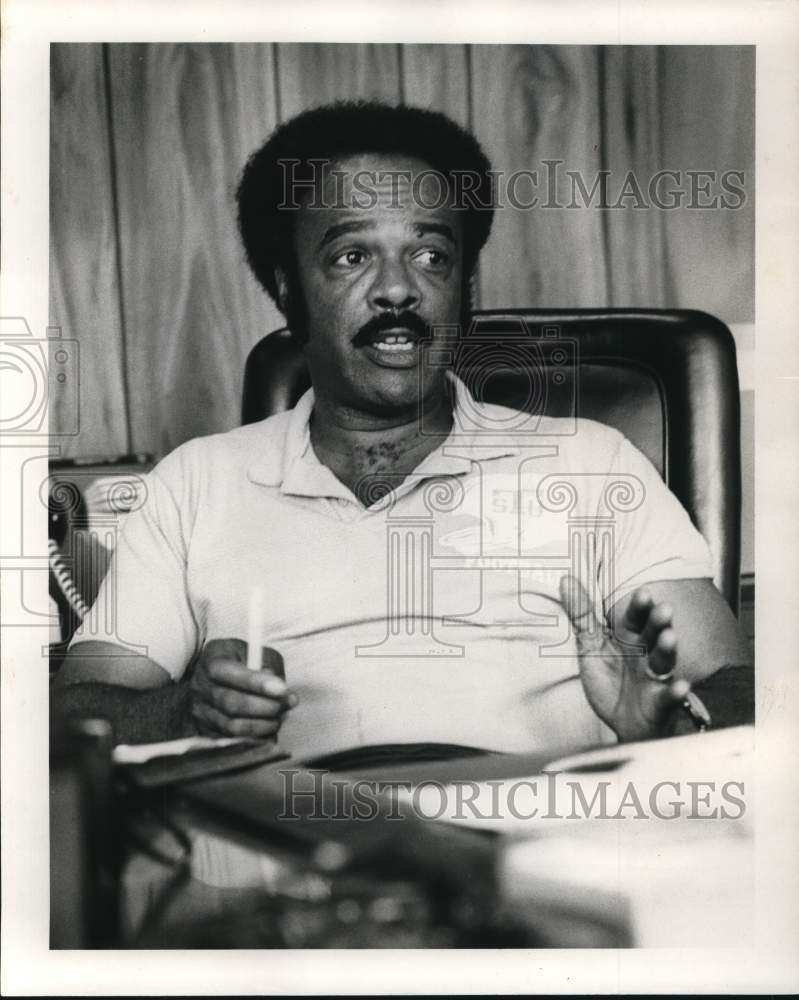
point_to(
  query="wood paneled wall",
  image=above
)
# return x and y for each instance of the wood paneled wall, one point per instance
(148, 142)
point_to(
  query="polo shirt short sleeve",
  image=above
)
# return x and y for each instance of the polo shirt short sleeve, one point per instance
(144, 603)
(655, 538)
(433, 617)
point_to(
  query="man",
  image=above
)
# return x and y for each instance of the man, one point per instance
(358, 220)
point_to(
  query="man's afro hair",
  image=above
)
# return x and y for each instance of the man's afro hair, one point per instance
(336, 131)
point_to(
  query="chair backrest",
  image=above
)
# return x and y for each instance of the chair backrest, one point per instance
(667, 379)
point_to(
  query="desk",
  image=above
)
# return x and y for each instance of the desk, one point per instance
(550, 882)
(390, 877)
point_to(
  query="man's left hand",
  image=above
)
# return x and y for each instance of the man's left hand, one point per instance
(632, 692)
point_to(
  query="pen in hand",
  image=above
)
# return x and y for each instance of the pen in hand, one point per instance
(255, 628)
(255, 634)
(238, 688)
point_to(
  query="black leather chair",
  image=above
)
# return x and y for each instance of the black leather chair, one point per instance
(667, 379)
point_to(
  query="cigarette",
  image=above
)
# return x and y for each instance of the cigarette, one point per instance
(255, 629)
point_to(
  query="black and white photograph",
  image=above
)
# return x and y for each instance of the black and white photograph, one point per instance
(395, 410)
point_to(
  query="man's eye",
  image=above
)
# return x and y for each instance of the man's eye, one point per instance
(349, 258)
(431, 258)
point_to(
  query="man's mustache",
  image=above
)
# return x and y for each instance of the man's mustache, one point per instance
(390, 321)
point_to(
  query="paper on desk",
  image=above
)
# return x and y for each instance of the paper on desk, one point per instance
(679, 751)
(608, 790)
(682, 884)
(140, 753)
(640, 835)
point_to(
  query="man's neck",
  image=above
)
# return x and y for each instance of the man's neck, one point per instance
(371, 453)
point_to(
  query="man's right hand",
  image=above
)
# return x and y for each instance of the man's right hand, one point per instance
(228, 699)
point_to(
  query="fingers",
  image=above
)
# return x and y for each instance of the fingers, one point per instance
(638, 610)
(231, 649)
(664, 701)
(238, 704)
(235, 650)
(653, 622)
(664, 697)
(231, 700)
(579, 606)
(649, 620)
(213, 722)
(272, 662)
(663, 656)
(232, 674)
(230, 712)
(659, 620)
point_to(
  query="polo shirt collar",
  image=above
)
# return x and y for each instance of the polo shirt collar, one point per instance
(296, 469)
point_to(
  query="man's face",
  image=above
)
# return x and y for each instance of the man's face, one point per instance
(373, 280)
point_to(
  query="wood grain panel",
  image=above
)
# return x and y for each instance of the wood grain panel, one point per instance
(254, 114)
(310, 74)
(84, 293)
(436, 77)
(707, 122)
(185, 118)
(531, 104)
(633, 155)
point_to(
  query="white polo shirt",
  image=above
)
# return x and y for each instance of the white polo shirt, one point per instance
(431, 616)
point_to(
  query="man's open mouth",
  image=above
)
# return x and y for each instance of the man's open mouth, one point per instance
(394, 341)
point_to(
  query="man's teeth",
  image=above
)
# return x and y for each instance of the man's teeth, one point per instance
(394, 343)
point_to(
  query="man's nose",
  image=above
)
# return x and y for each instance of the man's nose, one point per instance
(394, 288)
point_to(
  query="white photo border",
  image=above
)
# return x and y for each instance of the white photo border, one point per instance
(771, 964)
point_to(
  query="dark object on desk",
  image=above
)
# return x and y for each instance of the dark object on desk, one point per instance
(396, 880)
(196, 764)
(307, 818)
(383, 882)
(362, 912)
(667, 379)
(411, 883)
(367, 914)
(83, 837)
(378, 755)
